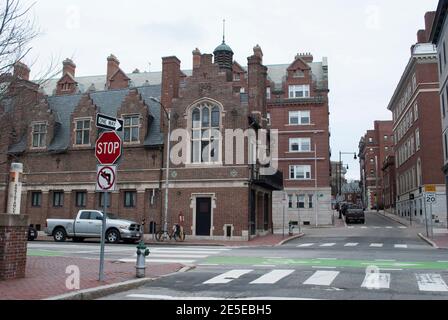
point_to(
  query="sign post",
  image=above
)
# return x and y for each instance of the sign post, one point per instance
(107, 150)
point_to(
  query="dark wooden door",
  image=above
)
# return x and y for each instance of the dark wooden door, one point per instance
(203, 216)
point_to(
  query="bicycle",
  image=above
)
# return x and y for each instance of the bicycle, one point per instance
(177, 234)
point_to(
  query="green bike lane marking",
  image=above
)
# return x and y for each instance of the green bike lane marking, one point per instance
(430, 265)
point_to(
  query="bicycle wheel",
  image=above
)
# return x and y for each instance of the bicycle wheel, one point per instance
(160, 236)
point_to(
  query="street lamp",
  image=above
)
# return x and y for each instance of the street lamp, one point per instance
(168, 116)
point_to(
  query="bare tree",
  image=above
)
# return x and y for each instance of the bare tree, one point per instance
(17, 31)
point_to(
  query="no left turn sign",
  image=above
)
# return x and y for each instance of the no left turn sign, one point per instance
(106, 178)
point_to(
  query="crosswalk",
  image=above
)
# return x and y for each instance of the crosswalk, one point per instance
(353, 245)
(377, 227)
(424, 282)
(181, 255)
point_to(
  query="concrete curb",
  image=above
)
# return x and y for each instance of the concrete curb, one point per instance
(432, 243)
(289, 239)
(100, 292)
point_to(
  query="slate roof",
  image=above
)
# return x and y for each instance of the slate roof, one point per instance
(108, 102)
(276, 73)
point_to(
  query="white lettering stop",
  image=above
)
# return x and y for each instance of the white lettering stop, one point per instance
(108, 147)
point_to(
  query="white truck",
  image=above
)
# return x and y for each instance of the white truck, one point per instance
(88, 224)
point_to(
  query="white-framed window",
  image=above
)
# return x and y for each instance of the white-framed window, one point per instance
(310, 201)
(205, 138)
(268, 118)
(290, 201)
(419, 172)
(301, 201)
(414, 82)
(299, 117)
(236, 77)
(82, 132)
(370, 140)
(131, 128)
(415, 112)
(417, 139)
(268, 93)
(300, 172)
(39, 135)
(299, 91)
(300, 145)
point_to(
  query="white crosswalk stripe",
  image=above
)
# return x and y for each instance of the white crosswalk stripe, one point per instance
(376, 281)
(431, 283)
(377, 245)
(228, 277)
(305, 245)
(328, 245)
(351, 244)
(273, 277)
(322, 278)
(181, 255)
(401, 246)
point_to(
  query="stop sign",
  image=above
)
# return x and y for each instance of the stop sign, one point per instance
(108, 148)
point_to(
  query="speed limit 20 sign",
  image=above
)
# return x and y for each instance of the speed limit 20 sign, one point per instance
(431, 198)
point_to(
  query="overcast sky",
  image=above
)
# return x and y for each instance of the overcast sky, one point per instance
(367, 43)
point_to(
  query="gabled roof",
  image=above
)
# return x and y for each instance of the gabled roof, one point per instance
(108, 102)
(299, 63)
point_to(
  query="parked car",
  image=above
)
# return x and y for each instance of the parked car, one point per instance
(88, 225)
(354, 213)
(32, 234)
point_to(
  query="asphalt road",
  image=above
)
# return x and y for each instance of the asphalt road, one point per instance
(379, 260)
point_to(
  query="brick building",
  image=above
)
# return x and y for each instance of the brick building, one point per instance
(374, 148)
(298, 107)
(338, 172)
(53, 134)
(389, 187)
(439, 37)
(417, 132)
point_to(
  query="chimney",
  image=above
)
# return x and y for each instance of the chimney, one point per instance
(257, 77)
(429, 21)
(21, 71)
(421, 36)
(196, 58)
(113, 65)
(258, 52)
(170, 80)
(307, 57)
(68, 67)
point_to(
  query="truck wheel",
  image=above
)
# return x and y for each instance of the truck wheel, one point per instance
(113, 236)
(59, 235)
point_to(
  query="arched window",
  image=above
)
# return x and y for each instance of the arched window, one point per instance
(206, 135)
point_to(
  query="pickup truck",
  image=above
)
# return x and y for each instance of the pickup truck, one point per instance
(354, 213)
(88, 224)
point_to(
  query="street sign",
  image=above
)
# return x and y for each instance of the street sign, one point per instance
(106, 178)
(431, 198)
(109, 123)
(430, 188)
(108, 148)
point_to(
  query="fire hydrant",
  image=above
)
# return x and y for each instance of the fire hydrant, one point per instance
(142, 253)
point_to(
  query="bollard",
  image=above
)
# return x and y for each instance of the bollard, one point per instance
(142, 253)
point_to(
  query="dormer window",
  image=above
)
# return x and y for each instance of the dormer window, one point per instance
(82, 132)
(236, 77)
(268, 93)
(299, 91)
(299, 74)
(132, 129)
(39, 135)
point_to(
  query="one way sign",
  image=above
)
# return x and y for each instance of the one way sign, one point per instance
(109, 123)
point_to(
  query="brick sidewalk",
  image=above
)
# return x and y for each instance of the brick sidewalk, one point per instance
(46, 277)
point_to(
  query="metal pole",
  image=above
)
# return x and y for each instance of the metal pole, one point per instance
(315, 184)
(167, 171)
(285, 197)
(426, 216)
(103, 237)
(432, 225)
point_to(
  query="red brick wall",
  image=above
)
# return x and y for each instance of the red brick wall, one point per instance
(13, 242)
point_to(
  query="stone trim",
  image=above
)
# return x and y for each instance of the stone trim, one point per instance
(10, 220)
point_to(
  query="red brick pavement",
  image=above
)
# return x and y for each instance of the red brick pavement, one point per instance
(46, 277)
